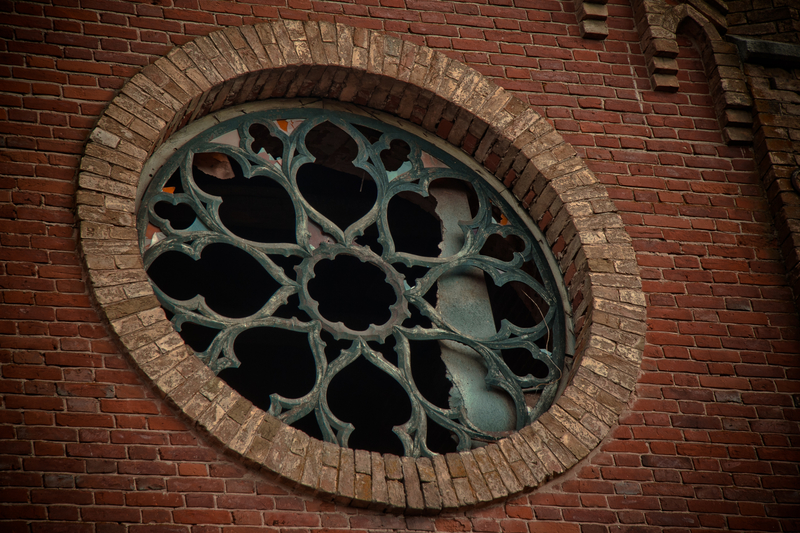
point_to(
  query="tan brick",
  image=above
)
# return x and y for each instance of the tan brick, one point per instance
(380, 495)
(363, 462)
(475, 478)
(248, 431)
(345, 489)
(456, 465)
(466, 496)
(492, 478)
(279, 449)
(414, 497)
(396, 494)
(393, 466)
(247, 55)
(314, 40)
(432, 497)
(552, 442)
(503, 469)
(292, 467)
(250, 36)
(445, 482)
(285, 43)
(548, 460)
(270, 44)
(227, 67)
(148, 86)
(225, 430)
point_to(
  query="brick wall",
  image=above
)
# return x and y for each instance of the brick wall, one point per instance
(709, 440)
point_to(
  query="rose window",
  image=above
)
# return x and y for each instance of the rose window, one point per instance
(355, 281)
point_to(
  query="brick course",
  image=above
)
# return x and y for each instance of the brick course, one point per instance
(707, 440)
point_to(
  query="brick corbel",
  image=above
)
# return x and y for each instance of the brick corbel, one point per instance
(592, 16)
(659, 23)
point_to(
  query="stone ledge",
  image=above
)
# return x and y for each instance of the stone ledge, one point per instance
(288, 59)
(763, 52)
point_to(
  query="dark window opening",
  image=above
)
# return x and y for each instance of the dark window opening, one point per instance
(343, 198)
(515, 302)
(263, 140)
(352, 285)
(503, 248)
(411, 274)
(173, 184)
(309, 425)
(333, 347)
(352, 292)
(198, 337)
(371, 134)
(334, 149)
(396, 155)
(530, 269)
(291, 309)
(352, 398)
(414, 225)
(441, 440)
(386, 349)
(288, 264)
(416, 319)
(430, 372)
(432, 296)
(179, 216)
(272, 360)
(257, 209)
(233, 283)
(370, 240)
(522, 363)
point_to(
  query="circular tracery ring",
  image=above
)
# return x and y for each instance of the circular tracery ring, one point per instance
(239, 222)
(398, 311)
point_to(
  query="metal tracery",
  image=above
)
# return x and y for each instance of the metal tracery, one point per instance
(482, 290)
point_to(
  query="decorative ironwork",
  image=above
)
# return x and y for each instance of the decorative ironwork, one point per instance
(284, 232)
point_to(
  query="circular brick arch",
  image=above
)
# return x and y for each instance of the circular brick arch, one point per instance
(290, 59)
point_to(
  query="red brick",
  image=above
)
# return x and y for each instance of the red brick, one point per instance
(246, 502)
(195, 485)
(84, 420)
(153, 499)
(128, 406)
(190, 516)
(287, 519)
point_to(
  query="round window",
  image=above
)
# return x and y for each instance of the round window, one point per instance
(355, 281)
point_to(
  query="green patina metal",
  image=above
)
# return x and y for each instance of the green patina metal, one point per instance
(545, 341)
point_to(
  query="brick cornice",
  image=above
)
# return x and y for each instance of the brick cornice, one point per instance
(290, 59)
